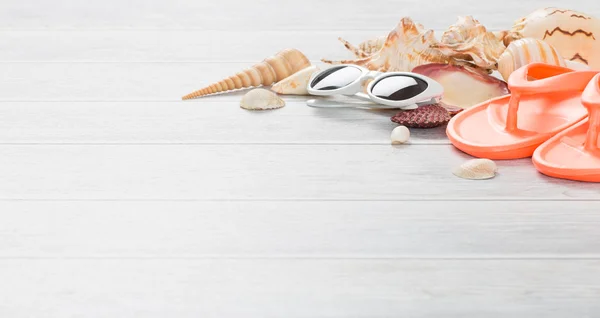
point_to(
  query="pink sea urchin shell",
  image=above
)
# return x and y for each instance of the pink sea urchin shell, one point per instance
(427, 116)
(463, 87)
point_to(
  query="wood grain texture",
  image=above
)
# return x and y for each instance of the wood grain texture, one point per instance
(265, 14)
(175, 45)
(197, 122)
(295, 229)
(298, 288)
(265, 172)
(119, 200)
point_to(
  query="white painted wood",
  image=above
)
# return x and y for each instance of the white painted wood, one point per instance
(339, 229)
(298, 288)
(175, 45)
(265, 172)
(178, 122)
(118, 200)
(265, 14)
(115, 81)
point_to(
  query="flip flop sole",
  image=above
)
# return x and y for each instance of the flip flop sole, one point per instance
(480, 131)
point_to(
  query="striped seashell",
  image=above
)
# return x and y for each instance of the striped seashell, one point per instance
(573, 34)
(524, 51)
(272, 70)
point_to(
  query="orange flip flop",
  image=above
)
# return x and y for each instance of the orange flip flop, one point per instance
(545, 100)
(574, 154)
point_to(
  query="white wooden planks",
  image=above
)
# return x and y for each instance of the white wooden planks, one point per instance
(197, 122)
(264, 172)
(264, 14)
(298, 288)
(296, 229)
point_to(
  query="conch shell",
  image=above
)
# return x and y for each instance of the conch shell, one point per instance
(524, 51)
(267, 72)
(575, 35)
(467, 42)
(407, 46)
(296, 83)
(365, 48)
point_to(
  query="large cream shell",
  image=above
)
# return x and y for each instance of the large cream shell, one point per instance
(271, 70)
(525, 51)
(476, 169)
(574, 34)
(296, 83)
(261, 99)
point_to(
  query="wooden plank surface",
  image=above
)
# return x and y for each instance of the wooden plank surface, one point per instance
(265, 14)
(296, 229)
(119, 200)
(197, 122)
(265, 172)
(298, 288)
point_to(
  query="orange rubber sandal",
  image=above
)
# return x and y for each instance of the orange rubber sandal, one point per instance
(545, 98)
(574, 154)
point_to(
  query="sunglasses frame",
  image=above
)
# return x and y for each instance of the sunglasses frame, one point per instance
(432, 94)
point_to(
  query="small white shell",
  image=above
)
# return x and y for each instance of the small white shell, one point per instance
(525, 51)
(296, 83)
(260, 99)
(476, 169)
(400, 135)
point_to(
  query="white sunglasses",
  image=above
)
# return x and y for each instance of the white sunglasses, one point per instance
(402, 90)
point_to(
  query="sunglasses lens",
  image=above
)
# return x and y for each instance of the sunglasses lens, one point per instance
(335, 77)
(399, 87)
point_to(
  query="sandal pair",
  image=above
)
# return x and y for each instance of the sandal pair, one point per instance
(552, 115)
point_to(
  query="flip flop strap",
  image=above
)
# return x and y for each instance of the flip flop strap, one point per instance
(557, 79)
(591, 100)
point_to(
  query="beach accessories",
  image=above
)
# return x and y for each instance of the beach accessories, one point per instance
(545, 100)
(575, 153)
(402, 90)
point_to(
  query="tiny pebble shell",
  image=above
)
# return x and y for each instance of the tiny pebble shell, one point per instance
(261, 99)
(400, 135)
(476, 169)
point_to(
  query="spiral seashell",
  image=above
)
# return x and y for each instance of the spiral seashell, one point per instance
(267, 72)
(575, 35)
(524, 51)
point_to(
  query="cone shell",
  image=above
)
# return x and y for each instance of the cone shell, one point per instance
(476, 169)
(267, 72)
(575, 35)
(261, 99)
(296, 83)
(525, 51)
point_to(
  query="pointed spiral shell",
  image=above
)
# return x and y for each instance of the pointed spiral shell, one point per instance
(267, 72)
(524, 51)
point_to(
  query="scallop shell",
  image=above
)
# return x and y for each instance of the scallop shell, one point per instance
(296, 83)
(261, 99)
(476, 169)
(575, 35)
(267, 72)
(524, 51)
